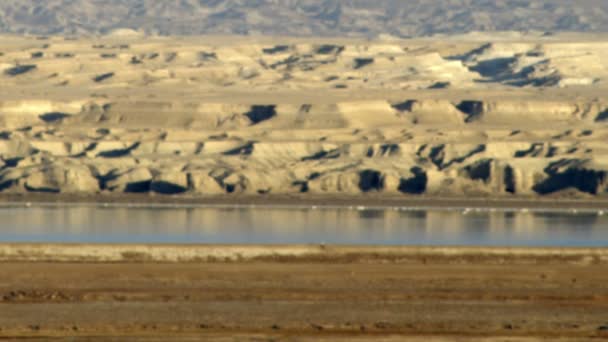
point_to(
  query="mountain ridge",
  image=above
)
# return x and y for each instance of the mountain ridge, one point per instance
(402, 18)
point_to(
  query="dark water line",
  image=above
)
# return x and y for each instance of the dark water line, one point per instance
(152, 205)
(358, 226)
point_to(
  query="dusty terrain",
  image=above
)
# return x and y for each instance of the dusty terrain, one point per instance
(295, 293)
(505, 115)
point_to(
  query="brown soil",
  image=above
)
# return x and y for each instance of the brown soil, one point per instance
(489, 298)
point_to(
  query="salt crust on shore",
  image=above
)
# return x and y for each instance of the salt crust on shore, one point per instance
(158, 253)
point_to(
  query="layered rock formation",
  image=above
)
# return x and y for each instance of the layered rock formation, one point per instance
(211, 117)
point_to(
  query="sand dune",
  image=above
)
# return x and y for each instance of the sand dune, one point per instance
(204, 116)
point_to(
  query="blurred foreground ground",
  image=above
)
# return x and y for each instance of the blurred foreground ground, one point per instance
(329, 295)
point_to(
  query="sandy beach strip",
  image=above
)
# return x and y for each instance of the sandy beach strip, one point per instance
(103, 253)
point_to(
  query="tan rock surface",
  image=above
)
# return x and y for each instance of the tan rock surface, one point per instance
(520, 115)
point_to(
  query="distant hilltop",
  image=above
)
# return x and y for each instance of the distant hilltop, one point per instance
(399, 18)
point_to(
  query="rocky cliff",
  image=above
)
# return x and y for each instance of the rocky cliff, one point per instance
(207, 116)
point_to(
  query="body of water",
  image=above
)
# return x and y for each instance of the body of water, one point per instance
(342, 226)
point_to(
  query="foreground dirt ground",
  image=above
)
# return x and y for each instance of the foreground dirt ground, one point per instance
(484, 297)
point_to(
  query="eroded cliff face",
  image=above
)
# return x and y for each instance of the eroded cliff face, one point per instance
(409, 118)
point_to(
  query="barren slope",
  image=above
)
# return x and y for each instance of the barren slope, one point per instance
(513, 116)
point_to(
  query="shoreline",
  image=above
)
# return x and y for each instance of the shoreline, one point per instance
(366, 202)
(158, 253)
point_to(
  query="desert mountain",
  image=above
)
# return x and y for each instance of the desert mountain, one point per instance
(301, 17)
(218, 116)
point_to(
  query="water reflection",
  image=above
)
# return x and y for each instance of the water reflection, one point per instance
(300, 226)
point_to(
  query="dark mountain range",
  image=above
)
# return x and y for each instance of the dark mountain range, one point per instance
(301, 17)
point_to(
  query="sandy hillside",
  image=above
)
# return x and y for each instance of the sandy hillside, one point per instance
(502, 115)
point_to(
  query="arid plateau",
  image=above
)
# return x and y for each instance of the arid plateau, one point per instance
(501, 115)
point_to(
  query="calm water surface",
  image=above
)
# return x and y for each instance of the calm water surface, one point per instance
(91, 224)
